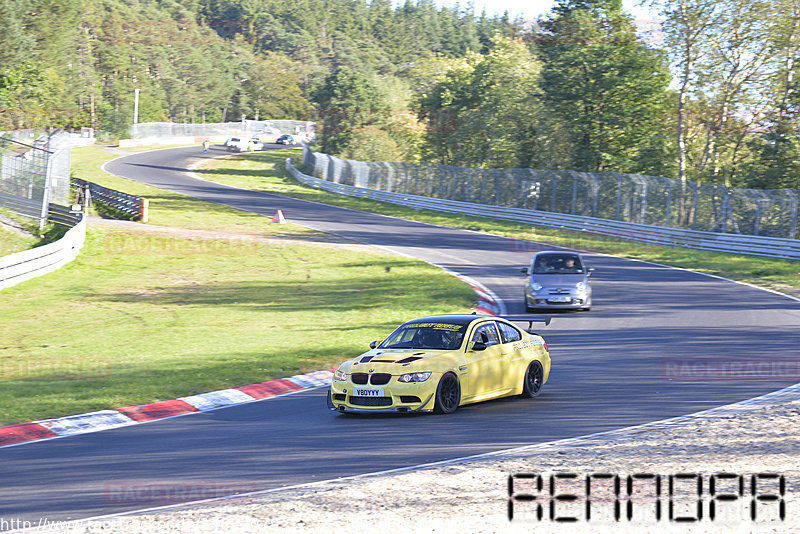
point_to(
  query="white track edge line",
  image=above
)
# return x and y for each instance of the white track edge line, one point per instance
(159, 419)
(616, 433)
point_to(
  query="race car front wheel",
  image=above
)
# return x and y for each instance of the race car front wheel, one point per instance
(448, 394)
(532, 382)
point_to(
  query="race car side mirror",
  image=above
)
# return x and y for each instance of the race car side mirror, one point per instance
(478, 346)
(589, 271)
(524, 270)
(373, 344)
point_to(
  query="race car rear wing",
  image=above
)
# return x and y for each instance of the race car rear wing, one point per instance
(529, 318)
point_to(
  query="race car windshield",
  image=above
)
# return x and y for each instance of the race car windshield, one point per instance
(433, 336)
(558, 264)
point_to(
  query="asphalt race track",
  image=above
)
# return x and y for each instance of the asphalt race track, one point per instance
(610, 370)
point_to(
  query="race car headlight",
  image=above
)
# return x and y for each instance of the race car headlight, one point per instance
(536, 286)
(340, 375)
(581, 286)
(414, 377)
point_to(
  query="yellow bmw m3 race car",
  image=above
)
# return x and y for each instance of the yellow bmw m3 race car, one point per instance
(438, 363)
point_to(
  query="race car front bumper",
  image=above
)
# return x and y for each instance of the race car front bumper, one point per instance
(397, 398)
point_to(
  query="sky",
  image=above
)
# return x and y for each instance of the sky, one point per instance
(534, 8)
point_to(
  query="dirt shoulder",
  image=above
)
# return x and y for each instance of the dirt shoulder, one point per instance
(472, 496)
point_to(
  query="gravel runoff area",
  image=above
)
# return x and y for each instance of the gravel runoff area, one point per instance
(756, 437)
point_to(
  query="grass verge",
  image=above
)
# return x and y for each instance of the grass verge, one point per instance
(265, 172)
(18, 233)
(146, 314)
(172, 209)
(12, 241)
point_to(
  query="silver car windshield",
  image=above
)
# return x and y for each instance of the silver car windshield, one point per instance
(558, 264)
(434, 336)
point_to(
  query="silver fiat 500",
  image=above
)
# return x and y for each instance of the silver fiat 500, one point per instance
(557, 279)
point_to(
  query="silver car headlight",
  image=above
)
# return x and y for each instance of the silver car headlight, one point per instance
(340, 375)
(414, 377)
(581, 287)
(536, 286)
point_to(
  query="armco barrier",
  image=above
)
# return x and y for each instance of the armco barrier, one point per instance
(23, 206)
(642, 233)
(132, 205)
(21, 266)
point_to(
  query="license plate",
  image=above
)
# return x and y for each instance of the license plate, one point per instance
(559, 299)
(359, 392)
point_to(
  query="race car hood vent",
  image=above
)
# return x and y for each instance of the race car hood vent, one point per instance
(395, 356)
(407, 359)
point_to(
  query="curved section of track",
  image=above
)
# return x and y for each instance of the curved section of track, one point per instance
(609, 371)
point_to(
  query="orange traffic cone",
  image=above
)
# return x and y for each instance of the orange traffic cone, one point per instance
(278, 218)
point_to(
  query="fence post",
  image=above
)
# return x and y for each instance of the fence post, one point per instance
(696, 201)
(534, 177)
(144, 210)
(793, 224)
(46, 193)
(643, 209)
(595, 193)
(723, 208)
(574, 203)
(669, 200)
(757, 222)
(619, 194)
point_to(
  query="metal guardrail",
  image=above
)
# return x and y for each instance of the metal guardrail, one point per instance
(30, 208)
(631, 198)
(63, 215)
(21, 266)
(22, 206)
(642, 233)
(143, 130)
(132, 205)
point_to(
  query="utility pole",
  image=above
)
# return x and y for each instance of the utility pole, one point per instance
(136, 105)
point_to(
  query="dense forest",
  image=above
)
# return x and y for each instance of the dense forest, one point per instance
(714, 98)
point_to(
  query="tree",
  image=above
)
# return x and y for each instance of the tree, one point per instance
(733, 81)
(273, 89)
(372, 144)
(348, 102)
(777, 149)
(443, 108)
(21, 95)
(15, 43)
(687, 25)
(607, 89)
(483, 112)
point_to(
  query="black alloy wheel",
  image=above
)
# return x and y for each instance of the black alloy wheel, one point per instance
(532, 383)
(448, 394)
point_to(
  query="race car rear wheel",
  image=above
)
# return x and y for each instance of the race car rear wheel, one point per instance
(532, 383)
(448, 394)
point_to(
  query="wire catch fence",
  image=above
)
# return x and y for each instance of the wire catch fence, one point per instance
(634, 198)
